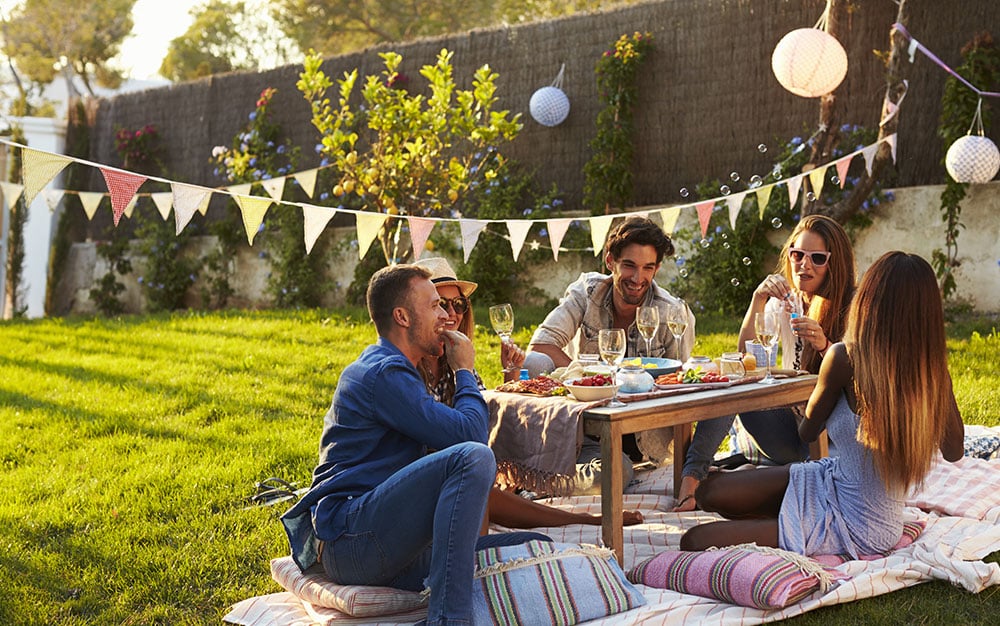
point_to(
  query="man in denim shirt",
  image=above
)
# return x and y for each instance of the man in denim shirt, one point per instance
(381, 511)
(633, 252)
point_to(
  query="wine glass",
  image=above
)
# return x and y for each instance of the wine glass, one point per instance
(765, 326)
(677, 322)
(647, 320)
(502, 318)
(611, 343)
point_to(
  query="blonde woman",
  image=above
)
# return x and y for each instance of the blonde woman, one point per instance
(885, 396)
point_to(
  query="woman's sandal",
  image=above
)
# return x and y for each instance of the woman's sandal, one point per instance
(680, 506)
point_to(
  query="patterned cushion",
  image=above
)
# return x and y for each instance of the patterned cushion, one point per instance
(354, 600)
(911, 530)
(983, 447)
(541, 582)
(764, 578)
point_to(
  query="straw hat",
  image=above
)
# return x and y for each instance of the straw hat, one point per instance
(442, 274)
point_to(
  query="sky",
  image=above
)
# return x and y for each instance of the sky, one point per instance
(156, 23)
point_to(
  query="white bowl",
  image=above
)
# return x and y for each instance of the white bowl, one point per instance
(585, 393)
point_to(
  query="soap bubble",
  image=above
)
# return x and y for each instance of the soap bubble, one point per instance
(725, 190)
(705, 243)
(761, 148)
(734, 176)
(756, 181)
(746, 260)
(776, 223)
(725, 244)
(684, 192)
(776, 172)
(835, 180)
(724, 235)
(735, 282)
(683, 272)
(811, 197)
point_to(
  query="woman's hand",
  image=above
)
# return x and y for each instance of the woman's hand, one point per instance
(810, 332)
(774, 286)
(511, 356)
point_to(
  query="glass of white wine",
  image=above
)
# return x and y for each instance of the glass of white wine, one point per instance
(647, 320)
(611, 343)
(677, 322)
(502, 319)
(765, 326)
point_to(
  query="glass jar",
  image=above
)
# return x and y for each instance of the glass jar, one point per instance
(731, 365)
(706, 364)
(634, 379)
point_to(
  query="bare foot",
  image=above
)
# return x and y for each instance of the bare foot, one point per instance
(685, 499)
(631, 518)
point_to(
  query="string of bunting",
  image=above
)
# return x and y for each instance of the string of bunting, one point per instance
(39, 168)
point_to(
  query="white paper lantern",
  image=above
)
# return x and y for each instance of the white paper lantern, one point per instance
(549, 106)
(809, 62)
(972, 159)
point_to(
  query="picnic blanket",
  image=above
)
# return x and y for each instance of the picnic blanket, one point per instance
(959, 503)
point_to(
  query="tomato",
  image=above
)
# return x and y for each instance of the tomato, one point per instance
(597, 380)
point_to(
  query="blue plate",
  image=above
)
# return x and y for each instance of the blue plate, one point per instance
(663, 366)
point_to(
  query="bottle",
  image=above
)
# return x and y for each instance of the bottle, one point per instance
(524, 374)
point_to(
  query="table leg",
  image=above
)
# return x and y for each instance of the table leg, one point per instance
(682, 440)
(612, 500)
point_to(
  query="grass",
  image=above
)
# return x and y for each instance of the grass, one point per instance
(129, 449)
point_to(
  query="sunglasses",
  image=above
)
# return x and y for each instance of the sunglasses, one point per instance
(816, 257)
(460, 304)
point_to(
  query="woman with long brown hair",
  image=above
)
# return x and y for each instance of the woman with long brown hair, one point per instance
(885, 397)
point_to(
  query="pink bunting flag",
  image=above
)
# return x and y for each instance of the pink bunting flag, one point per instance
(38, 169)
(314, 220)
(420, 230)
(794, 185)
(599, 227)
(557, 230)
(122, 187)
(470, 235)
(518, 230)
(891, 140)
(843, 165)
(704, 214)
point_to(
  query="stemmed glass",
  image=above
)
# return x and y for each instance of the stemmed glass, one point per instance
(647, 320)
(765, 326)
(502, 318)
(611, 343)
(677, 322)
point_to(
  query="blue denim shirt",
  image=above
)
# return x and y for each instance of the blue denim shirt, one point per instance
(382, 419)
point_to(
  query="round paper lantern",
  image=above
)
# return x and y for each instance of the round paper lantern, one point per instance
(972, 159)
(809, 62)
(549, 106)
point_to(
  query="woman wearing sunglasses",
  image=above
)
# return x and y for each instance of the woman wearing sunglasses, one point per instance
(816, 269)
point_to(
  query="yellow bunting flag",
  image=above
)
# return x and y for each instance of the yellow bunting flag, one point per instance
(90, 201)
(253, 209)
(275, 187)
(518, 230)
(130, 207)
(599, 227)
(470, 235)
(307, 180)
(763, 197)
(315, 219)
(669, 217)
(368, 225)
(816, 178)
(163, 201)
(38, 169)
(11, 192)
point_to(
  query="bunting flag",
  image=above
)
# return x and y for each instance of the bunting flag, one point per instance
(891, 140)
(420, 230)
(253, 209)
(242, 189)
(187, 198)
(557, 230)
(763, 197)
(11, 192)
(53, 197)
(130, 207)
(842, 166)
(704, 214)
(669, 216)
(38, 169)
(307, 180)
(163, 201)
(275, 187)
(122, 187)
(518, 230)
(470, 235)
(816, 178)
(599, 227)
(90, 201)
(869, 153)
(368, 225)
(794, 184)
(735, 203)
(315, 219)
(203, 205)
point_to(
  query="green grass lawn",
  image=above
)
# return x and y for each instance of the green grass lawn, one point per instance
(129, 449)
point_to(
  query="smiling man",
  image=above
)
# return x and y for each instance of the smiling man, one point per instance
(633, 253)
(381, 510)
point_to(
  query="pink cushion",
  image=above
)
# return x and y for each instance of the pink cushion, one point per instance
(911, 530)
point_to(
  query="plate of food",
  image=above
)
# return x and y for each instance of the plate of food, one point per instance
(591, 388)
(655, 367)
(692, 379)
(538, 386)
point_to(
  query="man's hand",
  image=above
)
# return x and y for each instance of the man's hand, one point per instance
(459, 350)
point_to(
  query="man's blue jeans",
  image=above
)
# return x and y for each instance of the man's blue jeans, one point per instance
(421, 523)
(775, 432)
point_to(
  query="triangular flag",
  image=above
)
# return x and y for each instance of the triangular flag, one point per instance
(599, 227)
(315, 219)
(891, 140)
(470, 234)
(557, 230)
(518, 230)
(420, 230)
(163, 201)
(842, 166)
(763, 197)
(275, 187)
(11, 192)
(368, 225)
(187, 198)
(307, 180)
(203, 205)
(735, 202)
(38, 169)
(794, 185)
(52, 197)
(242, 189)
(130, 207)
(816, 178)
(669, 216)
(704, 214)
(122, 187)
(90, 201)
(253, 209)
(869, 153)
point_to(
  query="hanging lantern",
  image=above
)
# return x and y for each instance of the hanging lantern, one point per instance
(549, 106)
(809, 62)
(973, 158)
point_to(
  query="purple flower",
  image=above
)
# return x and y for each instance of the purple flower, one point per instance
(252, 116)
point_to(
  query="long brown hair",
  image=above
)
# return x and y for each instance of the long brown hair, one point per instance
(829, 305)
(895, 338)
